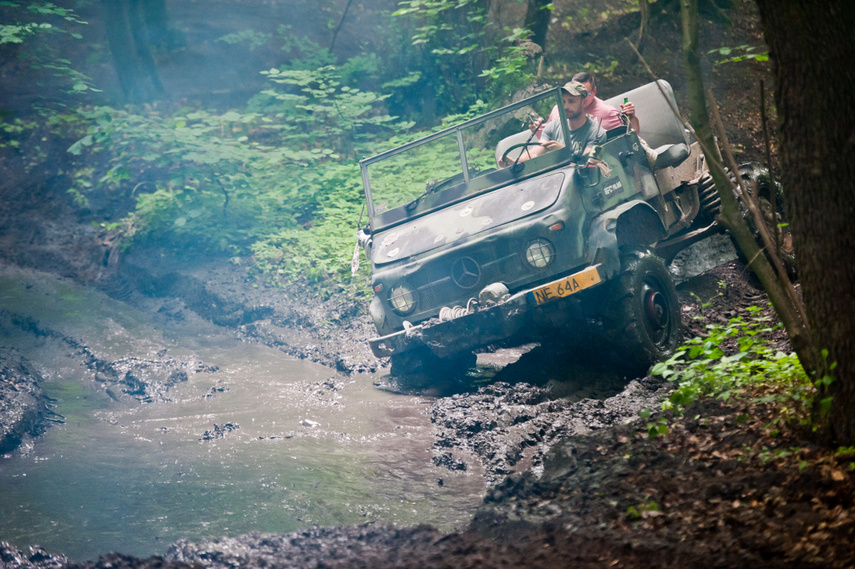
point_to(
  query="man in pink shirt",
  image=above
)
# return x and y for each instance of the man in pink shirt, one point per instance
(605, 114)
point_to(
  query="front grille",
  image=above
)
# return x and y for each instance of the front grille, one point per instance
(437, 288)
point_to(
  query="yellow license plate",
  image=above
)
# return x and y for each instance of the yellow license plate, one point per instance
(567, 286)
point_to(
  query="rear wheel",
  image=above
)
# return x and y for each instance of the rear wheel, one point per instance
(643, 316)
(759, 183)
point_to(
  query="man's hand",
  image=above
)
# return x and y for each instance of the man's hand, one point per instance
(550, 145)
(628, 109)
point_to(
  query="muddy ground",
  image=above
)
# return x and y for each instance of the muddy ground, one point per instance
(574, 478)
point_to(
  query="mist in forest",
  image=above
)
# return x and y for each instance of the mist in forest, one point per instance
(158, 50)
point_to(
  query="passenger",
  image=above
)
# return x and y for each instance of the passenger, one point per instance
(584, 133)
(608, 116)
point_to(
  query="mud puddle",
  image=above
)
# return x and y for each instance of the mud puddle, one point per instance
(174, 428)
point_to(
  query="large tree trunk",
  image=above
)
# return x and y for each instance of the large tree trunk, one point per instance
(814, 62)
(781, 292)
(537, 21)
(644, 26)
(131, 27)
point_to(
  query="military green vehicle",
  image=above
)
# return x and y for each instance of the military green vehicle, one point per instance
(467, 254)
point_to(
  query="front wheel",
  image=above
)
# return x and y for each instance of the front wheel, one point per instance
(643, 316)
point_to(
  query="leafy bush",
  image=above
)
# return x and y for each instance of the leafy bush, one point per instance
(280, 181)
(277, 179)
(702, 368)
(35, 23)
(462, 54)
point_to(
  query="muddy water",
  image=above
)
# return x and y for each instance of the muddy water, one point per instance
(296, 446)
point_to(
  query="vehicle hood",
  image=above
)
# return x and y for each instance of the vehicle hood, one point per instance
(476, 215)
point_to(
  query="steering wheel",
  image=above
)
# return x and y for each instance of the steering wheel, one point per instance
(513, 147)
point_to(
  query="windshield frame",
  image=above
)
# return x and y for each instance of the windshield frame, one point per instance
(468, 186)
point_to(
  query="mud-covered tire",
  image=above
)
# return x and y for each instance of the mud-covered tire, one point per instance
(420, 368)
(642, 318)
(757, 179)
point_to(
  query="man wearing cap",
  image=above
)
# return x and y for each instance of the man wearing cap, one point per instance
(608, 116)
(584, 133)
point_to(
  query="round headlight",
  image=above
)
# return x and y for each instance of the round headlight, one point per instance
(403, 299)
(539, 253)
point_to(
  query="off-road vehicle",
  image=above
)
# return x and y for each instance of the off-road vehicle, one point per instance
(467, 251)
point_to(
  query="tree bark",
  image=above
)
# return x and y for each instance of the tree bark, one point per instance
(812, 52)
(129, 38)
(537, 21)
(340, 24)
(784, 298)
(644, 26)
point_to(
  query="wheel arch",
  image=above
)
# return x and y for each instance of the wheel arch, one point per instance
(632, 225)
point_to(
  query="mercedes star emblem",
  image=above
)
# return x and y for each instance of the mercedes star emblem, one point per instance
(466, 272)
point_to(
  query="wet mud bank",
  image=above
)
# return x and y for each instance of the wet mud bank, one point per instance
(511, 428)
(142, 379)
(572, 479)
(24, 408)
(331, 332)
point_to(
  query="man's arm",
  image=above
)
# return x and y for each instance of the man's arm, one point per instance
(531, 151)
(629, 110)
(547, 142)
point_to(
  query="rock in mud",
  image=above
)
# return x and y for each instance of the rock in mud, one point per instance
(31, 558)
(219, 431)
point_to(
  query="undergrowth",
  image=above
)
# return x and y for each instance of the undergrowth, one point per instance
(736, 360)
(274, 184)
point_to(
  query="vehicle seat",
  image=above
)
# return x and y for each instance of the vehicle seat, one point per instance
(662, 131)
(670, 155)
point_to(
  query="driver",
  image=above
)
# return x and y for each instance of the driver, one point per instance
(584, 132)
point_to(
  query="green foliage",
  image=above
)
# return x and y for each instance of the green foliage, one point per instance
(740, 53)
(515, 68)
(462, 55)
(16, 33)
(279, 180)
(647, 508)
(35, 21)
(654, 428)
(251, 38)
(602, 68)
(701, 368)
(451, 38)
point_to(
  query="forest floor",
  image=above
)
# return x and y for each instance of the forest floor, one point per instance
(730, 485)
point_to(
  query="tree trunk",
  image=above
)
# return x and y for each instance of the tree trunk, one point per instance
(129, 38)
(781, 292)
(644, 27)
(537, 21)
(694, 76)
(340, 24)
(812, 51)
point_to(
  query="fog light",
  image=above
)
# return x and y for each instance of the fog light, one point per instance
(539, 253)
(403, 299)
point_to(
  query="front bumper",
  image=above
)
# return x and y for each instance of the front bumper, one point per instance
(485, 325)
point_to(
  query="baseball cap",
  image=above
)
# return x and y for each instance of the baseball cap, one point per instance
(576, 89)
